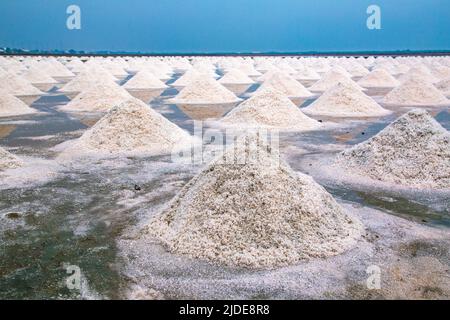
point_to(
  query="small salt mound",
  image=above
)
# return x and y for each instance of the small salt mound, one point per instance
(99, 98)
(144, 80)
(306, 74)
(235, 76)
(344, 100)
(131, 127)
(249, 69)
(18, 86)
(357, 70)
(420, 72)
(12, 106)
(412, 151)
(8, 160)
(441, 72)
(330, 79)
(415, 92)
(54, 68)
(202, 90)
(444, 86)
(186, 78)
(86, 79)
(270, 108)
(36, 76)
(379, 78)
(249, 209)
(287, 85)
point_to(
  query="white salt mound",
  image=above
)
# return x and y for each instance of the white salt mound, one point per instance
(249, 209)
(8, 160)
(18, 86)
(131, 127)
(378, 78)
(287, 85)
(92, 76)
(413, 151)
(415, 92)
(204, 90)
(330, 79)
(345, 100)
(36, 76)
(444, 86)
(306, 73)
(99, 98)
(12, 106)
(270, 108)
(144, 80)
(186, 78)
(235, 76)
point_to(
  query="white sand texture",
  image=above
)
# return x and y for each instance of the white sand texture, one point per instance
(8, 160)
(12, 106)
(345, 100)
(415, 92)
(413, 151)
(270, 109)
(378, 78)
(287, 85)
(144, 80)
(130, 128)
(204, 90)
(98, 98)
(249, 209)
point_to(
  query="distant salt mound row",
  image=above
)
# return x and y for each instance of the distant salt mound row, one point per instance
(413, 151)
(202, 90)
(235, 76)
(330, 79)
(144, 80)
(8, 160)
(99, 98)
(271, 109)
(249, 209)
(345, 100)
(18, 86)
(88, 78)
(378, 78)
(444, 86)
(287, 85)
(131, 127)
(12, 106)
(415, 92)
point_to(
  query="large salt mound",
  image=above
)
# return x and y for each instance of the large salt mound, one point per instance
(378, 78)
(235, 76)
(131, 127)
(99, 98)
(412, 151)
(18, 86)
(202, 90)
(8, 160)
(12, 106)
(270, 108)
(144, 80)
(415, 92)
(249, 209)
(444, 86)
(330, 79)
(345, 100)
(287, 85)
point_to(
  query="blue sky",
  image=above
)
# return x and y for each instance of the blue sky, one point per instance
(225, 25)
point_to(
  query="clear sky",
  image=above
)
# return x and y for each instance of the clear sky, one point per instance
(164, 26)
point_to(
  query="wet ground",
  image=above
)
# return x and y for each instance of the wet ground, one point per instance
(75, 217)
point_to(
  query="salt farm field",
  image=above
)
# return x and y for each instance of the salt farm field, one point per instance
(87, 180)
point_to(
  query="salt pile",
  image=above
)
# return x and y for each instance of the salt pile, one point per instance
(412, 151)
(345, 100)
(235, 76)
(8, 160)
(286, 85)
(379, 78)
(270, 108)
(330, 79)
(131, 127)
(36, 76)
(92, 76)
(249, 209)
(420, 72)
(18, 86)
(144, 80)
(186, 78)
(99, 98)
(202, 90)
(415, 92)
(12, 106)
(306, 74)
(444, 86)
